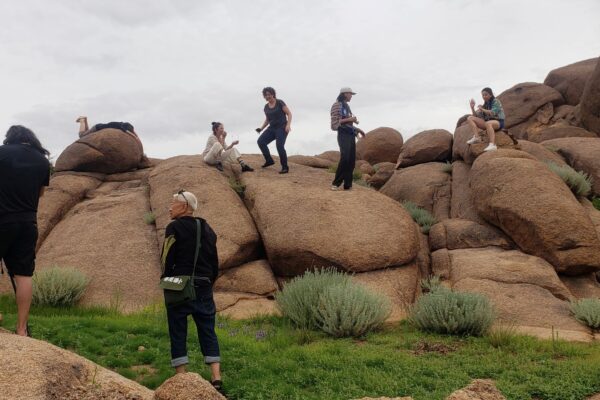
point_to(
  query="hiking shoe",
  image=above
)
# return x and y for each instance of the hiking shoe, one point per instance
(335, 188)
(218, 385)
(473, 140)
(284, 170)
(219, 166)
(491, 147)
(247, 168)
(268, 164)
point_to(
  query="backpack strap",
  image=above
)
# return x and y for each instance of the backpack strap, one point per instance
(198, 237)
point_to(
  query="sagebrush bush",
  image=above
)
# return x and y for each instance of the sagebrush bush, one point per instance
(447, 167)
(421, 216)
(350, 310)
(579, 182)
(456, 313)
(58, 286)
(300, 297)
(149, 218)
(431, 283)
(587, 311)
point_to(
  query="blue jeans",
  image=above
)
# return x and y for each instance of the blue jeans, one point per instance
(203, 311)
(279, 135)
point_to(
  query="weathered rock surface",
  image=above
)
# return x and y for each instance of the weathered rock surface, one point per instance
(570, 80)
(426, 185)
(426, 146)
(315, 162)
(479, 389)
(303, 225)
(56, 374)
(380, 145)
(107, 151)
(238, 241)
(383, 172)
(540, 152)
(458, 233)
(253, 277)
(187, 386)
(582, 153)
(331, 155)
(590, 102)
(554, 226)
(461, 205)
(107, 239)
(523, 100)
(468, 153)
(557, 132)
(582, 287)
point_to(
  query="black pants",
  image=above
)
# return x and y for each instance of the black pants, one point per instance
(345, 169)
(203, 312)
(17, 247)
(280, 136)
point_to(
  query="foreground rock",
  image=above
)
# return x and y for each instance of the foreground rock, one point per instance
(570, 80)
(218, 203)
(107, 151)
(380, 145)
(461, 205)
(426, 146)
(554, 226)
(541, 152)
(315, 162)
(56, 374)
(254, 277)
(187, 386)
(479, 389)
(305, 225)
(557, 132)
(523, 100)
(590, 102)
(458, 233)
(383, 172)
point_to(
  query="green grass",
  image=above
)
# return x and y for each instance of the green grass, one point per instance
(150, 218)
(596, 203)
(356, 174)
(421, 216)
(579, 182)
(266, 358)
(237, 186)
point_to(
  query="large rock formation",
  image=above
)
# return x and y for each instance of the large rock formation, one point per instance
(570, 80)
(106, 151)
(540, 215)
(523, 100)
(557, 132)
(459, 233)
(380, 145)
(383, 172)
(590, 102)
(426, 146)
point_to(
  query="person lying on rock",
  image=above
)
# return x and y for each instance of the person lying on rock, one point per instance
(279, 118)
(342, 121)
(489, 116)
(217, 152)
(179, 251)
(85, 130)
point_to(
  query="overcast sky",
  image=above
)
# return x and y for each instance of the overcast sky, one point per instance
(172, 67)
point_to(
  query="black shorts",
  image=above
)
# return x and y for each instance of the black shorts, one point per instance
(17, 247)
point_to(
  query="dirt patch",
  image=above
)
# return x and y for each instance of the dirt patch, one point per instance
(424, 347)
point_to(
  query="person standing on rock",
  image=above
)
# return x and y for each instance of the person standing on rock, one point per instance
(342, 121)
(489, 116)
(24, 172)
(217, 152)
(180, 249)
(279, 120)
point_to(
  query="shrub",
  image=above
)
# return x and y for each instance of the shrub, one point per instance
(587, 311)
(447, 167)
(502, 335)
(431, 283)
(300, 297)
(579, 182)
(150, 218)
(596, 203)
(237, 186)
(350, 310)
(58, 286)
(421, 216)
(455, 313)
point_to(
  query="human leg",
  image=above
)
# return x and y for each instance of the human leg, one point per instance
(214, 154)
(23, 297)
(177, 321)
(345, 163)
(281, 137)
(476, 124)
(349, 178)
(263, 141)
(491, 127)
(83, 125)
(204, 317)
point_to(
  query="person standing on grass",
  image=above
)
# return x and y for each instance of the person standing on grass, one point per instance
(177, 258)
(342, 121)
(489, 116)
(24, 172)
(279, 119)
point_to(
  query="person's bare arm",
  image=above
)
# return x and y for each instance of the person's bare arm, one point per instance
(288, 114)
(263, 126)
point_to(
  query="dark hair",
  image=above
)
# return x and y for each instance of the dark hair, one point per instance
(19, 134)
(128, 127)
(215, 126)
(489, 91)
(488, 104)
(341, 97)
(269, 89)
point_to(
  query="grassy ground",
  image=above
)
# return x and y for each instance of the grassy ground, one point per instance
(267, 359)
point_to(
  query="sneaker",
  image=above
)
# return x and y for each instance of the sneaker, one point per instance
(334, 188)
(247, 168)
(268, 164)
(220, 167)
(473, 140)
(348, 188)
(491, 147)
(284, 170)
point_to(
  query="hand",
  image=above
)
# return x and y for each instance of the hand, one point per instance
(287, 129)
(472, 103)
(354, 119)
(258, 130)
(480, 108)
(235, 142)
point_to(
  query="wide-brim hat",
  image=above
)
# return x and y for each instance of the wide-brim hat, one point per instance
(346, 90)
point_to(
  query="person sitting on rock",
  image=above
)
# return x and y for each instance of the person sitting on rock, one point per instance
(85, 130)
(217, 152)
(489, 116)
(180, 250)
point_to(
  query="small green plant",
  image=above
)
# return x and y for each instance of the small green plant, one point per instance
(579, 182)
(149, 218)
(502, 335)
(356, 174)
(421, 216)
(431, 283)
(456, 313)
(447, 167)
(237, 186)
(596, 203)
(587, 311)
(58, 286)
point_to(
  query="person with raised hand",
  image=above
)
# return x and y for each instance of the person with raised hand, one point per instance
(489, 116)
(217, 152)
(279, 119)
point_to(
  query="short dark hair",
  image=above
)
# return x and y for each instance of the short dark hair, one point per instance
(19, 134)
(269, 89)
(215, 126)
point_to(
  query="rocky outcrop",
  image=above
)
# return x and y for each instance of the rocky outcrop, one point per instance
(237, 238)
(107, 151)
(570, 80)
(469, 153)
(458, 233)
(540, 152)
(187, 386)
(557, 132)
(582, 153)
(383, 172)
(427, 185)
(254, 277)
(523, 100)
(315, 162)
(590, 102)
(461, 204)
(380, 145)
(479, 389)
(426, 146)
(56, 374)
(554, 226)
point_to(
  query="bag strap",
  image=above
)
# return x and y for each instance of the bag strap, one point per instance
(198, 236)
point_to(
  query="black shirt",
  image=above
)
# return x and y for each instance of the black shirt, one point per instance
(179, 258)
(275, 116)
(23, 173)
